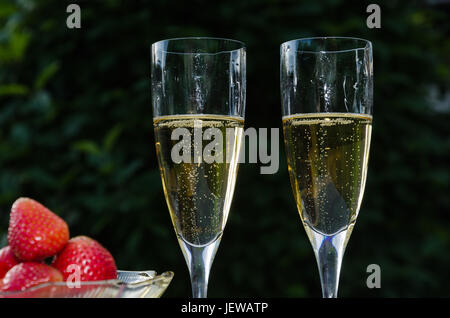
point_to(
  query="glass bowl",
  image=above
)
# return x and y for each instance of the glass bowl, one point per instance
(129, 284)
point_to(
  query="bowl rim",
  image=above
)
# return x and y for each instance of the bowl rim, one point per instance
(152, 279)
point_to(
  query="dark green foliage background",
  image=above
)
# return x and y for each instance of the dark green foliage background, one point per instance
(76, 134)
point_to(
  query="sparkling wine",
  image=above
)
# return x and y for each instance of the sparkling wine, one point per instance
(327, 160)
(199, 193)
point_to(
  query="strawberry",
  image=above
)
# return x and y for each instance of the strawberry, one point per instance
(94, 261)
(34, 231)
(7, 260)
(29, 274)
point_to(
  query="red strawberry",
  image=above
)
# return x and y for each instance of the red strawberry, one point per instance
(7, 260)
(34, 231)
(94, 261)
(29, 274)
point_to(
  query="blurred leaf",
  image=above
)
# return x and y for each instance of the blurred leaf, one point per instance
(16, 47)
(13, 89)
(111, 137)
(86, 146)
(6, 9)
(46, 74)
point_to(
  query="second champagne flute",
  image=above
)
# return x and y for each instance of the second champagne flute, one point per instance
(326, 91)
(198, 96)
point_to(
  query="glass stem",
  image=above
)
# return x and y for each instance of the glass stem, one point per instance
(199, 273)
(199, 260)
(329, 256)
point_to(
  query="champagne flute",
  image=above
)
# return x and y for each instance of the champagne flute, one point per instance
(198, 96)
(326, 93)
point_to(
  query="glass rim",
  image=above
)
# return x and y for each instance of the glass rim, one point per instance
(367, 44)
(241, 45)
